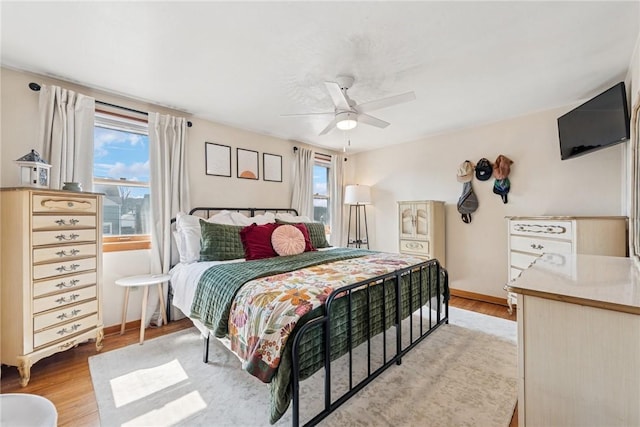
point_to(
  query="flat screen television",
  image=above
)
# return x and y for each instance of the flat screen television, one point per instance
(598, 123)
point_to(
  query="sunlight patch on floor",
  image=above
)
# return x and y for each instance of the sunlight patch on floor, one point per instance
(141, 383)
(172, 413)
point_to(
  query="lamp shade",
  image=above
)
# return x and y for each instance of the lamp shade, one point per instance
(357, 195)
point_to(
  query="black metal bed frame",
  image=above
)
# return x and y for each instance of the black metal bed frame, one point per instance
(442, 299)
(424, 270)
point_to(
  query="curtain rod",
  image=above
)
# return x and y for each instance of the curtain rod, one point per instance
(36, 88)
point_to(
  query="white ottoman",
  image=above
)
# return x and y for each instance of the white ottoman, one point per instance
(27, 410)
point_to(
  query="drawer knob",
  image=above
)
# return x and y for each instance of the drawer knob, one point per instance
(72, 328)
(71, 284)
(72, 297)
(538, 246)
(72, 267)
(72, 252)
(71, 236)
(72, 221)
(74, 313)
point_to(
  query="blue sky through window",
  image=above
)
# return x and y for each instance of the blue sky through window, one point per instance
(119, 154)
(320, 184)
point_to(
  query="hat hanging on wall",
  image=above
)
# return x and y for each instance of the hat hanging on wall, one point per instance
(483, 169)
(465, 171)
(502, 167)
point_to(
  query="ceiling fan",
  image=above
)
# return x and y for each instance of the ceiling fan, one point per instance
(348, 113)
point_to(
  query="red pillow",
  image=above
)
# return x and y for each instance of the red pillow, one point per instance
(256, 240)
(305, 232)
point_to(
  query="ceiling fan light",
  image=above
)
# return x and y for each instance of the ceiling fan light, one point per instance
(346, 121)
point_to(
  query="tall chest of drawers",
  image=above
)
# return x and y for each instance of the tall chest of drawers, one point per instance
(554, 236)
(51, 274)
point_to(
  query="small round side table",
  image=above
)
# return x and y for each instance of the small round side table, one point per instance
(145, 280)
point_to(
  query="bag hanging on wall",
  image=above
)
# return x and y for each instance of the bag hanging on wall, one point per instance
(467, 203)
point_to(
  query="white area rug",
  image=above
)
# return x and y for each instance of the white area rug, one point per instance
(464, 374)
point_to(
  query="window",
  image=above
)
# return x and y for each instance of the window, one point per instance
(321, 191)
(121, 172)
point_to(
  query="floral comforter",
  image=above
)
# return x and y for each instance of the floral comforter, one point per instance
(266, 310)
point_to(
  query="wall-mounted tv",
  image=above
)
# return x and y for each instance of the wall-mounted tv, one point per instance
(598, 123)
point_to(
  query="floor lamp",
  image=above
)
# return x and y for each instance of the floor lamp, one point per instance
(357, 197)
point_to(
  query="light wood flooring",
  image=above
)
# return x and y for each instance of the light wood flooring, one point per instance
(64, 378)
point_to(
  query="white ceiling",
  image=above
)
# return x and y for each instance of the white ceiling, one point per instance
(246, 63)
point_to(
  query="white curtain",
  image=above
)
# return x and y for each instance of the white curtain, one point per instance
(634, 222)
(169, 188)
(66, 135)
(302, 197)
(337, 205)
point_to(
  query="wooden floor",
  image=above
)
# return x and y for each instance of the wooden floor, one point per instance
(64, 378)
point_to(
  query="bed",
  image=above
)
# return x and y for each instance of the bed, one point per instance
(284, 316)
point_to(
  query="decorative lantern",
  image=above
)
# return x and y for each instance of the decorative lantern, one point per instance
(34, 171)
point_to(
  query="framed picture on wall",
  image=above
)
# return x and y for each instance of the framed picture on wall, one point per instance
(248, 167)
(272, 167)
(217, 159)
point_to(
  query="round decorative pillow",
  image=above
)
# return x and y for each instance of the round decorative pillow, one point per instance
(287, 240)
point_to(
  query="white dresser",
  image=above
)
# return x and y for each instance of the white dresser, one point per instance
(422, 229)
(578, 342)
(555, 236)
(51, 274)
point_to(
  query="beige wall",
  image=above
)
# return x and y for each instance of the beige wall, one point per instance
(542, 184)
(19, 116)
(594, 184)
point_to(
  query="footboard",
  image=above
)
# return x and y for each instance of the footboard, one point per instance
(365, 328)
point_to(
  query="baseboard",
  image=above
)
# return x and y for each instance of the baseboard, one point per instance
(479, 297)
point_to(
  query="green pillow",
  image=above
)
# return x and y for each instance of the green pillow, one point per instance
(220, 242)
(316, 233)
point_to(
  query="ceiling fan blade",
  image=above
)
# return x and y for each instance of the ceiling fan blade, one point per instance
(337, 96)
(370, 120)
(385, 102)
(329, 127)
(308, 114)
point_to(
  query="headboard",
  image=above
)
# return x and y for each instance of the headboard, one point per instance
(206, 212)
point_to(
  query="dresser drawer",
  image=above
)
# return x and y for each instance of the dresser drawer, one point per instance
(553, 229)
(62, 299)
(62, 253)
(514, 273)
(415, 246)
(64, 330)
(64, 204)
(538, 246)
(51, 318)
(522, 261)
(41, 271)
(40, 238)
(63, 283)
(39, 222)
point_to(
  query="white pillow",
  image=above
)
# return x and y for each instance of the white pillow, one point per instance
(188, 233)
(285, 216)
(222, 217)
(240, 219)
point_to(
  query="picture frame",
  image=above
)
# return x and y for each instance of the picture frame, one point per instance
(217, 159)
(247, 164)
(271, 167)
